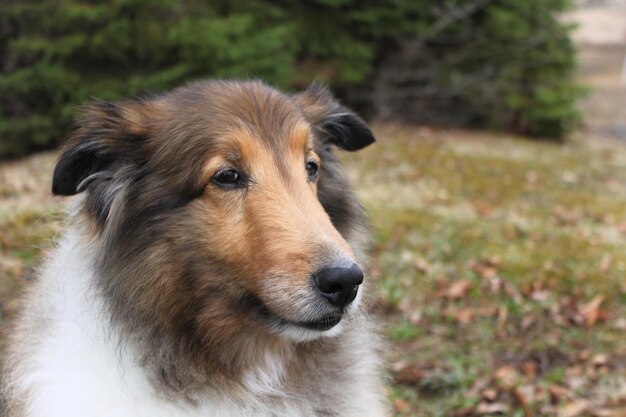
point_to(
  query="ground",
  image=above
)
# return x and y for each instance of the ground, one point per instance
(499, 261)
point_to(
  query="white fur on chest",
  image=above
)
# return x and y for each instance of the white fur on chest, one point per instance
(77, 368)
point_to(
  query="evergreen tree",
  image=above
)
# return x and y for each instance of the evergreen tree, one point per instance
(57, 54)
(505, 64)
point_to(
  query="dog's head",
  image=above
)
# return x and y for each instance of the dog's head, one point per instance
(220, 208)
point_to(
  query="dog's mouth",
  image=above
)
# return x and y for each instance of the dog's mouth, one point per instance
(321, 324)
(325, 323)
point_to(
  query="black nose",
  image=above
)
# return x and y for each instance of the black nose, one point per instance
(339, 285)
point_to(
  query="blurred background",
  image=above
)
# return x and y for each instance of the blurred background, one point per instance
(497, 188)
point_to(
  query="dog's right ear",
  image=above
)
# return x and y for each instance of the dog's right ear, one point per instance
(109, 136)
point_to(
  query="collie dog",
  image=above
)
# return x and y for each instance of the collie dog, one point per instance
(212, 264)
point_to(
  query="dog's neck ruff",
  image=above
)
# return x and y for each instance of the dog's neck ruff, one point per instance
(81, 363)
(86, 365)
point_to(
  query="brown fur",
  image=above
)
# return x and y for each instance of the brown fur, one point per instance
(189, 270)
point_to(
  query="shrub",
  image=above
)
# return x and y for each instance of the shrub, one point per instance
(505, 64)
(57, 54)
(502, 64)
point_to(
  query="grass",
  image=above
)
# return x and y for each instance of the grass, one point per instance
(530, 234)
(489, 253)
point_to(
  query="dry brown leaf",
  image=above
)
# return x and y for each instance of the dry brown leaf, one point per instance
(541, 295)
(528, 321)
(507, 377)
(490, 394)
(566, 217)
(486, 268)
(423, 266)
(464, 412)
(492, 408)
(607, 412)
(400, 405)
(530, 368)
(459, 289)
(620, 324)
(522, 397)
(405, 305)
(503, 315)
(558, 393)
(483, 208)
(407, 373)
(495, 284)
(605, 262)
(491, 260)
(601, 359)
(573, 409)
(479, 385)
(415, 317)
(591, 311)
(464, 316)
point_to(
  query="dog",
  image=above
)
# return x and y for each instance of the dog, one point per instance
(212, 264)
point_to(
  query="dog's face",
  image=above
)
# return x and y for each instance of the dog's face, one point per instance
(213, 204)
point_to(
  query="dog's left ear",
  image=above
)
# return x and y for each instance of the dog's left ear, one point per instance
(333, 122)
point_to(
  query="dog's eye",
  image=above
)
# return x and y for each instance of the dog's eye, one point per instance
(312, 170)
(229, 178)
